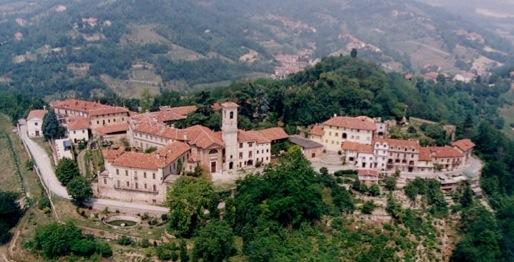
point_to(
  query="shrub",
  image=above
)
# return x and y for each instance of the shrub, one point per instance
(104, 249)
(368, 207)
(43, 202)
(125, 240)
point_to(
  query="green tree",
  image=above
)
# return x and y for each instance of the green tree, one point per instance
(288, 193)
(184, 257)
(191, 201)
(466, 199)
(368, 207)
(411, 191)
(80, 190)
(374, 190)
(353, 53)
(52, 129)
(147, 100)
(10, 213)
(66, 170)
(390, 183)
(215, 242)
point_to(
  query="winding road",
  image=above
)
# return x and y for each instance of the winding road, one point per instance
(49, 179)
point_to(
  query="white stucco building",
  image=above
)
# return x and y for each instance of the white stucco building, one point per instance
(35, 123)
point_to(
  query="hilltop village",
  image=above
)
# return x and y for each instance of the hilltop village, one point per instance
(145, 153)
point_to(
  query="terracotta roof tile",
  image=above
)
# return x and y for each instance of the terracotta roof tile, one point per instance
(464, 144)
(360, 122)
(111, 154)
(252, 136)
(180, 110)
(110, 129)
(357, 147)
(37, 114)
(275, 133)
(77, 123)
(445, 152)
(203, 137)
(91, 108)
(317, 130)
(154, 161)
(367, 173)
(398, 143)
(425, 154)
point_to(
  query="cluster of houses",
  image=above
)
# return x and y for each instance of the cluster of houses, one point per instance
(363, 144)
(165, 152)
(170, 151)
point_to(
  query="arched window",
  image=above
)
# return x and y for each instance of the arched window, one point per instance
(231, 114)
(231, 165)
(213, 151)
(345, 135)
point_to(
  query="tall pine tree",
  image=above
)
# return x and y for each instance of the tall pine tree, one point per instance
(51, 127)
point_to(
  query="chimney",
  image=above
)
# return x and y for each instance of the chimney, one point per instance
(44, 107)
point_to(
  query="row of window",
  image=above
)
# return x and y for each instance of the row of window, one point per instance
(136, 185)
(135, 174)
(108, 121)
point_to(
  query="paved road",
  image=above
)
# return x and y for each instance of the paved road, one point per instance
(44, 164)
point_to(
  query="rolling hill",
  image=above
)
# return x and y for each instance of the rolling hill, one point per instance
(85, 48)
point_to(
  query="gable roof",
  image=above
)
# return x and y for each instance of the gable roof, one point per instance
(425, 154)
(360, 122)
(91, 108)
(317, 130)
(445, 152)
(110, 129)
(367, 173)
(77, 123)
(464, 144)
(252, 136)
(203, 137)
(304, 142)
(399, 143)
(38, 113)
(274, 133)
(357, 147)
(154, 161)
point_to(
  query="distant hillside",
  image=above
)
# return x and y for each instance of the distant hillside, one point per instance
(84, 48)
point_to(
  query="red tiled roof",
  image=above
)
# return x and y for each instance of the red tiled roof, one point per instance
(464, 144)
(360, 122)
(445, 152)
(252, 136)
(116, 128)
(37, 114)
(398, 143)
(180, 110)
(317, 130)
(111, 154)
(425, 154)
(92, 108)
(108, 110)
(159, 159)
(357, 147)
(77, 123)
(367, 173)
(203, 137)
(275, 133)
(161, 130)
